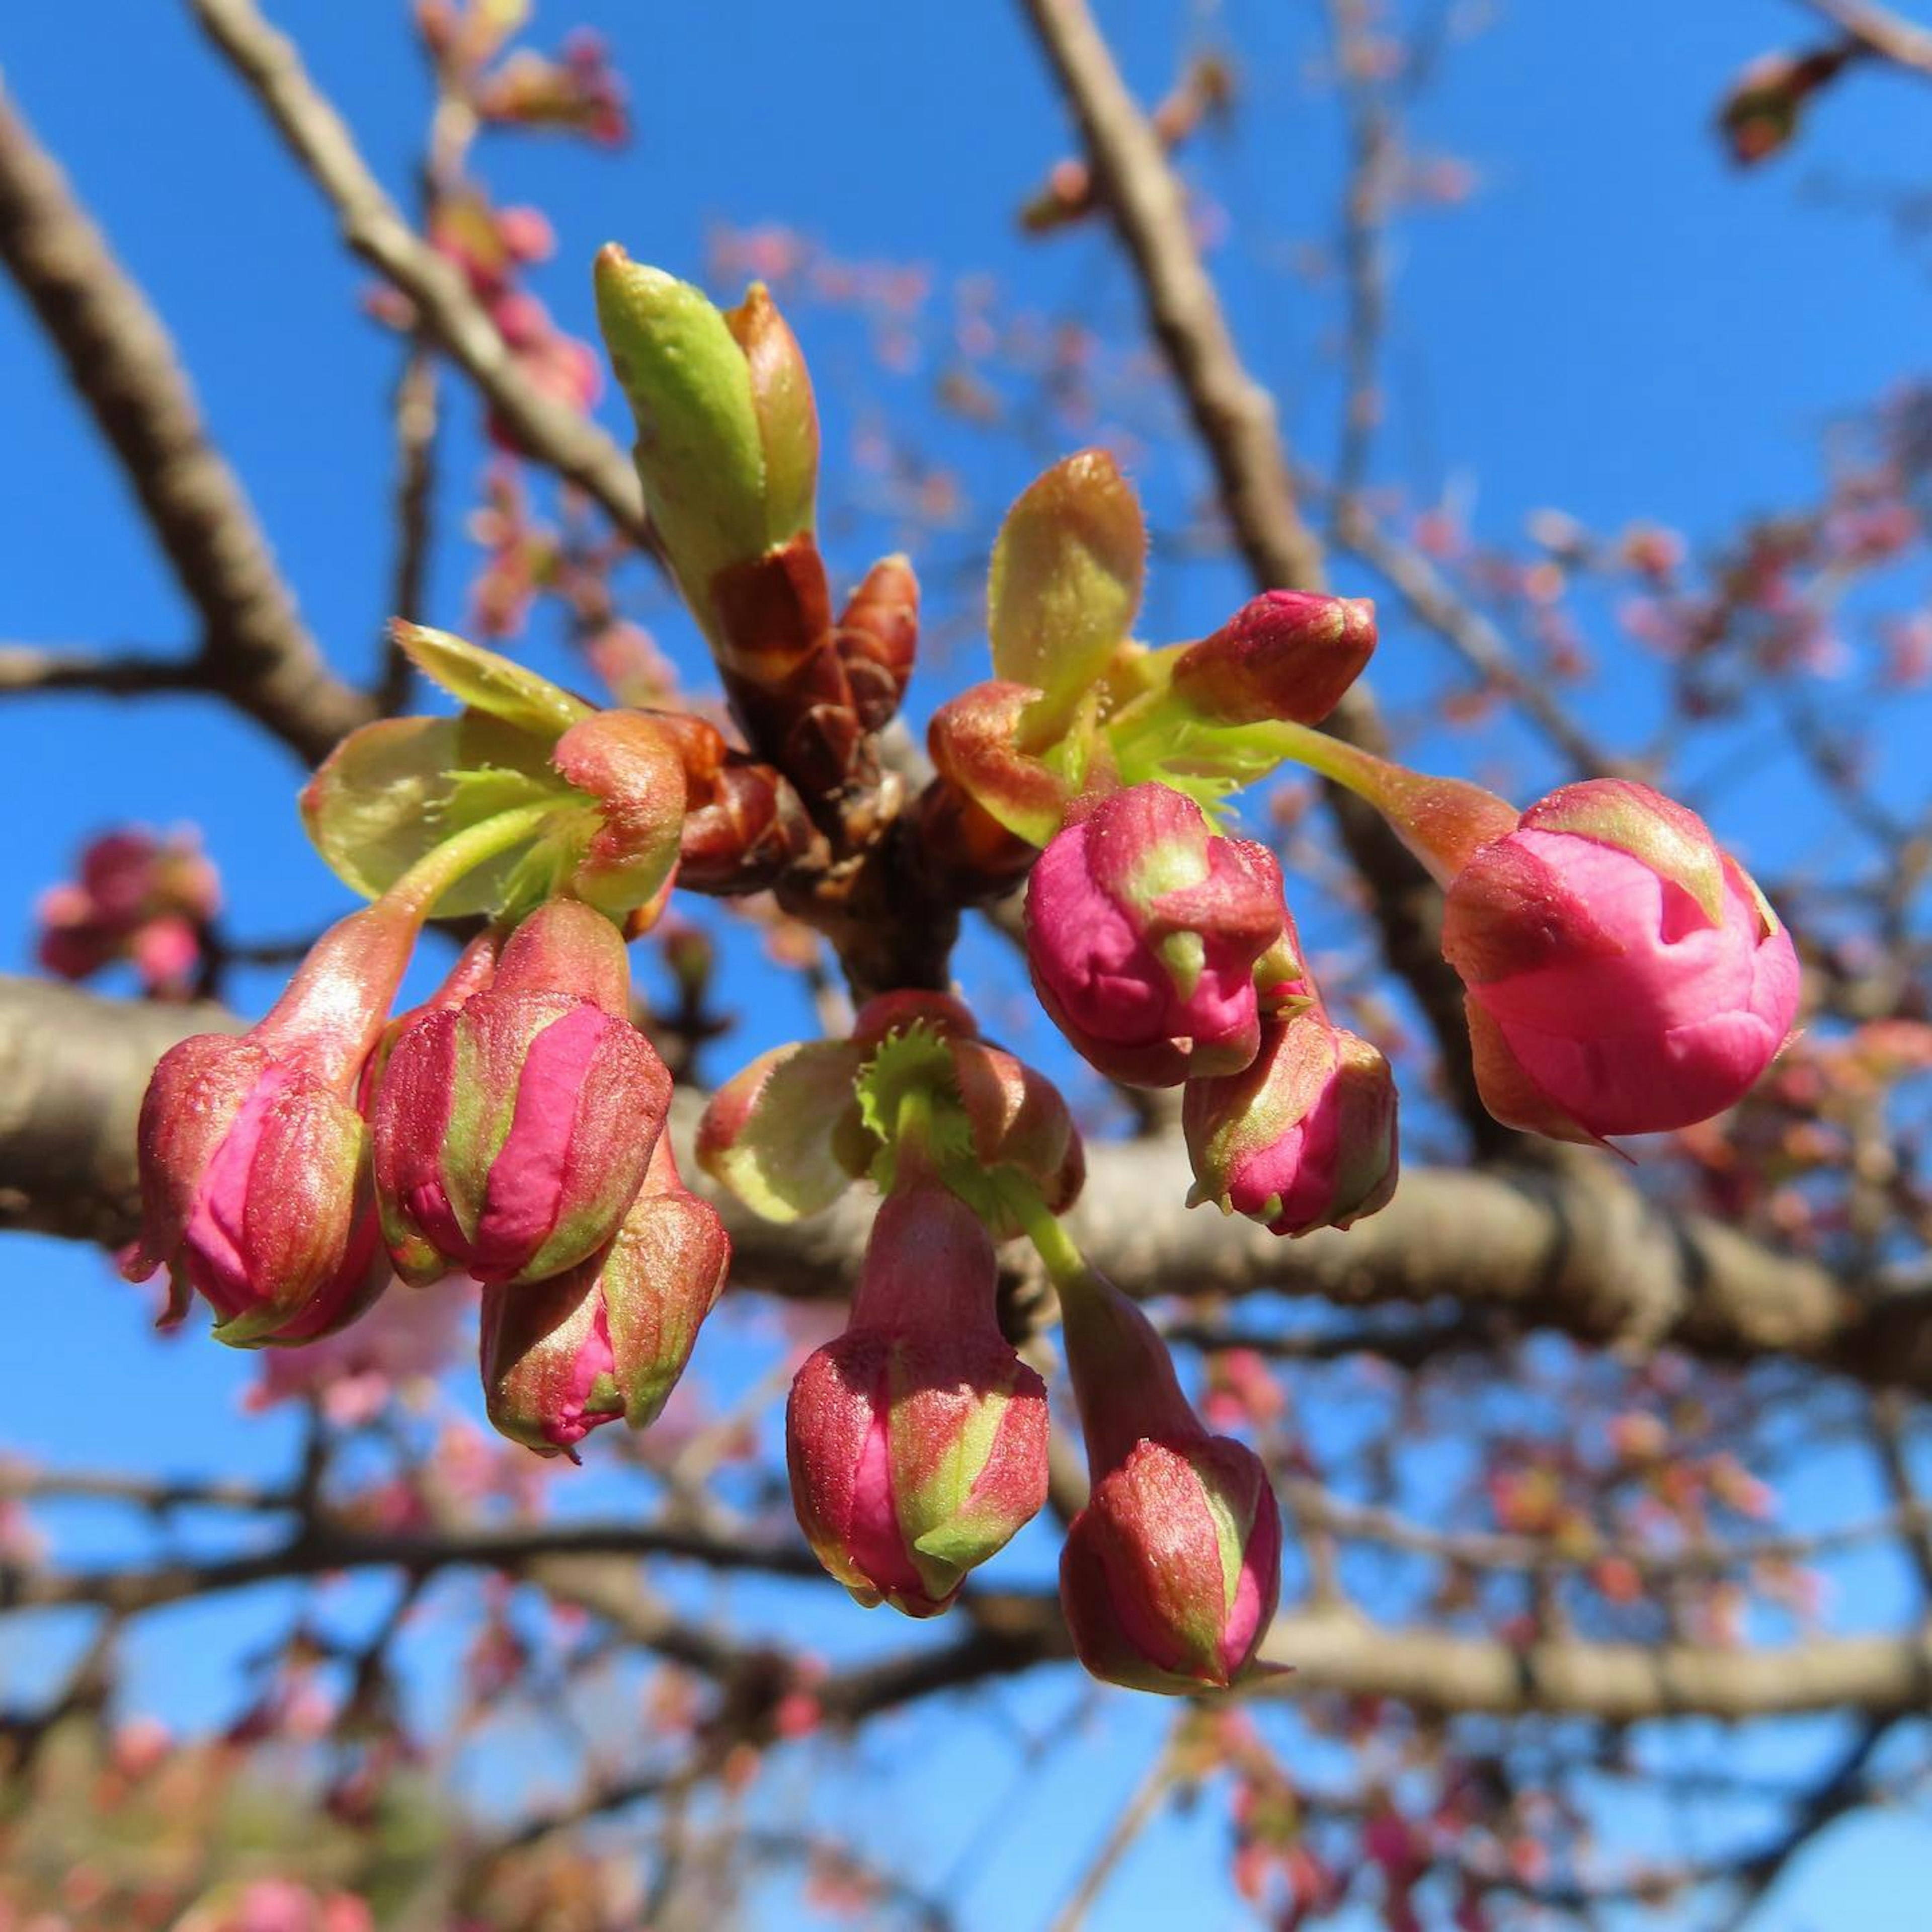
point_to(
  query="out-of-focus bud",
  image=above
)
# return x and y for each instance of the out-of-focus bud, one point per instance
(972, 739)
(1286, 654)
(1065, 584)
(1760, 114)
(611, 1337)
(917, 1440)
(1171, 1574)
(1143, 929)
(787, 1134)
(1625, 975)
(512, 1133)
(254, 1175)
(877, 638)
(138, 898)
(1305, 1138)
(727, 435)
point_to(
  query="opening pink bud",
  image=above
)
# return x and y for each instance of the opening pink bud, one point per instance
(1624, 975)
(512, 1132)
(1305, 1138)
(1143, 929)
(917, 1440)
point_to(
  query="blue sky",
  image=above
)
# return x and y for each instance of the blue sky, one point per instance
(1620, 324)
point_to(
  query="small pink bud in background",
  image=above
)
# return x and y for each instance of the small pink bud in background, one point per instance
(1171, 1574)
(917, 1440)
(1286, 654)
(611, 1337)
(1143, 929)
(254, 1175)
(512, 1132)
(145, 900)
(1305, 1138)
(1624, 975)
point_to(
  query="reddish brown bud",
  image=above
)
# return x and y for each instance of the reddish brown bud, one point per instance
(877, 636)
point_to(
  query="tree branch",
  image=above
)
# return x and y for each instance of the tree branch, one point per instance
(374, 229)
(1577, 1249)
(255, 651)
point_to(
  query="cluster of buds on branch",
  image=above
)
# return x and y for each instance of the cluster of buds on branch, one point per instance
(1623, 976)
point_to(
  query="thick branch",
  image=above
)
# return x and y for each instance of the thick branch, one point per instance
(1234, 417)
(375, 229)
(1577, 1249)
(255, 651)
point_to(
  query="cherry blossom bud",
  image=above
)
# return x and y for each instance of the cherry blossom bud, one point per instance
(877, 638)
(972, 740)
(611, 1337)
(1143, 928)
(1170, 1575)
(1624, 975)
(512, 1132)
(1286, 654)
(253, 1159)
(1305, 1138)
(917, 1440)
(1761, 112)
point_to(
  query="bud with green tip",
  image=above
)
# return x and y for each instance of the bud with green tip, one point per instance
(917, 1440)
(727, 434)
(611, 1337)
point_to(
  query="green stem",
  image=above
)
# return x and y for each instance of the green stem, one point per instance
(1058, 1252)
(439, 867)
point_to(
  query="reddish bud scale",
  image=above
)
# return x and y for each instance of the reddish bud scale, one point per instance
(877, 638)
(512, 1133)
(916, 1442)
(973, 738)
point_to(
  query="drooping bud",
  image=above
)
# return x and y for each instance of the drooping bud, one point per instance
(1305, 1138)
(512, 1133)
(254, 1173)
(610, 1336)
(917, 1440)
(1171, 1574)
(1286, 654)
(1065, 583)
(1143, 928)
(877, 636)
(1625, 975)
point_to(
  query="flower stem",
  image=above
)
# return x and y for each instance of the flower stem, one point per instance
(438, 868)
(1066, 1266)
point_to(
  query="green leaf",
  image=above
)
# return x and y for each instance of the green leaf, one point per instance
(914, 1066)
(770, 1134)
(392, 791)
(1065, 577)
(488, 683)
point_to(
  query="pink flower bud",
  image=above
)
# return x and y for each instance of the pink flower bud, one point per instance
(1305, 1138)
(1143, 928)
(254, 1181)
(1624, 975)
(512, 1132)
(1171, 1574)
(917, 1440)
(611, 1337)
(1286, 654)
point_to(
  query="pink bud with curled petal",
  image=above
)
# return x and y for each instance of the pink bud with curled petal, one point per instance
(512, 1133)
(1624, 975)
(611, 1337)
(917, 1440)
(1171, 1574)
(1143, 931)
(253, 1159)
(1305, 1138)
